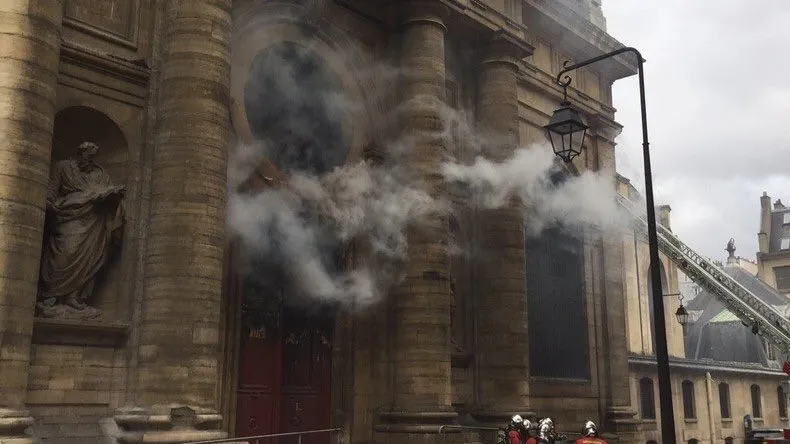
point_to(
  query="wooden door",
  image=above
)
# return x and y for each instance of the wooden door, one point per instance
(260, 375)
(305, 396)
(285, 378)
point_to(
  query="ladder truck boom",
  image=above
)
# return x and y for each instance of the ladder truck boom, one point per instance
(736, 298)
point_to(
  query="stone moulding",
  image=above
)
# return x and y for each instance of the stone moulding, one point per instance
(71, 332)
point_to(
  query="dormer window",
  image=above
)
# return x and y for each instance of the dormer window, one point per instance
(786, 218)
(785, 243)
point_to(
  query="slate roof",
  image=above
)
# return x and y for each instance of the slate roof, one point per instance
(719, 335)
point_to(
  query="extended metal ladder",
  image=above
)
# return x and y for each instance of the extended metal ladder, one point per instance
(771, 324)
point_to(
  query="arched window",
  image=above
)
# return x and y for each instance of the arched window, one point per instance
(650, 305)
(689, 406)
(781, 398)
(724, 400)
(558, 338)
(757, 407)
(647, 398)
(729, 440)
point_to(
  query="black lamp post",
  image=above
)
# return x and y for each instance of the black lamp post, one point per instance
(566, 131)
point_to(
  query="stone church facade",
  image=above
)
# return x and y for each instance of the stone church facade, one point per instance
(165, 354)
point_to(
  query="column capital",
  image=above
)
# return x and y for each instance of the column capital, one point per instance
(505, 47)
(411, 12)
(603, 127)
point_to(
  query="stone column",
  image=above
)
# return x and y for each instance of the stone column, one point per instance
(503, 342)
(421, 352)
(177, 374)
(29, 57)
(619, 412)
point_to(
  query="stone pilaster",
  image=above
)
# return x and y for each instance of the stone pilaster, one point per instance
(29, 55)
(177, 374)
(503, 342)
(421, 352)
(619, 412)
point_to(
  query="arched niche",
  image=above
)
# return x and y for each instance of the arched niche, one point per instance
(77, 124)
(260, 34)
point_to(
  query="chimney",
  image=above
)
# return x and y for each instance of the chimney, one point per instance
(663, 216)
(778, 205)
(765, 222)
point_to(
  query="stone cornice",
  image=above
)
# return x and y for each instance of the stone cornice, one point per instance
(583, 39)
(709, 366)
(136, 72)
(506, 47)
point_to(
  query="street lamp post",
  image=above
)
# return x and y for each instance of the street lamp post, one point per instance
(566, 132)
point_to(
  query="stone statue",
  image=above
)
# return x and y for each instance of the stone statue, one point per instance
(84, 223)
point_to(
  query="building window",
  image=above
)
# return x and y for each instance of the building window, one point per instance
(556, 306)
(782, 278)
(757, 407)
(785, 243)
(729, 440)
(769, 350)
(786, 218)
(781, 398)
(724, 400)
(647, 398)
(689, 408)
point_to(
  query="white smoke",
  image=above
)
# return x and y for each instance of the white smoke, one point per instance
(296, 223)
(584, 201)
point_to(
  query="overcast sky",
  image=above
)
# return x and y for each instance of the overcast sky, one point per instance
(718, 104)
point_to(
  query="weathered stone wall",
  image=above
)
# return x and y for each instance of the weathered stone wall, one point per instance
(166, 87)
(701, 427)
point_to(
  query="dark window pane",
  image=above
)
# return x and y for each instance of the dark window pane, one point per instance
(647, 398)
(689, 407)
(757, 408)
(724, 399)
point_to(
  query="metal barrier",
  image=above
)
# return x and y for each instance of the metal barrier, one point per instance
(267, 439)
(570, 436)
(460, 428)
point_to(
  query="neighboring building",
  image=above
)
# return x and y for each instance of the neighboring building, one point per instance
(773, 259)
(720, 370)
(172, 346)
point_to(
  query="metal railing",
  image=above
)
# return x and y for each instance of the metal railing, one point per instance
(267, 439)
(460, 429)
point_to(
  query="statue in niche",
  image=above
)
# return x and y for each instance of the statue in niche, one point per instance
(84, 225)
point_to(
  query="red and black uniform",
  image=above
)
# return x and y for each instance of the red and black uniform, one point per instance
(532, 440)
(514, 437)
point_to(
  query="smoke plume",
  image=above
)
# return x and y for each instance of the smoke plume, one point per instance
(297, 225)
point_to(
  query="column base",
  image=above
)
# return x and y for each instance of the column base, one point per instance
(414, 427)
(621, 424)
(165, 424)
(14, 425)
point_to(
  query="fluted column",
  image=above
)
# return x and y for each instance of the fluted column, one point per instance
(177, 375)
(503, 353)
(29, 54)
(421, 304)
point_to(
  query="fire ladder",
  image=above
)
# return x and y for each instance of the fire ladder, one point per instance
(770, 323)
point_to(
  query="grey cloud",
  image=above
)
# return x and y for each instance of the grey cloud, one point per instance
(716, 95)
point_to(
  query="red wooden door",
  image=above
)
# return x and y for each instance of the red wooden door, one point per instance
(260, 375)
(284, 378)
(305, 397)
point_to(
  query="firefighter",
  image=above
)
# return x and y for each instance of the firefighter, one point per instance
(546, 434)
(514, 433)
(590, 435)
